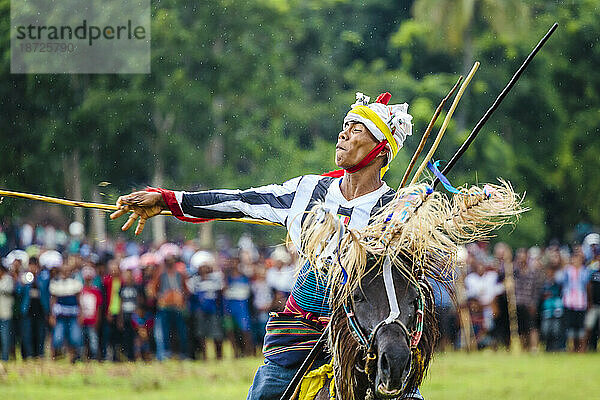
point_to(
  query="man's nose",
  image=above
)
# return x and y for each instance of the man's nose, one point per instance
(343, 135)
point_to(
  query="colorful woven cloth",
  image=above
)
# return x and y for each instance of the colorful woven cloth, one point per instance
(289, 338)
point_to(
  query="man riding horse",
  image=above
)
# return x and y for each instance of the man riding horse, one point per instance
(371, 137)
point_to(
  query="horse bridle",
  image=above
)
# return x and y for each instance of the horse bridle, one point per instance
(367, 341)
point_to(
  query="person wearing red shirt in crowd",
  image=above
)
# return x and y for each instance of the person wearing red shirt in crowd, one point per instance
(143, 324)
(90, 301)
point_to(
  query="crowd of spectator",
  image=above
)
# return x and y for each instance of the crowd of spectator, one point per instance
(121, 300)
(555, 291)
(125, 301)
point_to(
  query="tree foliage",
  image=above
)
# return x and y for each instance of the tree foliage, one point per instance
(248, 93)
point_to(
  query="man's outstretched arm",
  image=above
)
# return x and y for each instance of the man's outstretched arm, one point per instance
(271, 203)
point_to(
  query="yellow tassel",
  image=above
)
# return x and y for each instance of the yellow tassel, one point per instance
(418, 362)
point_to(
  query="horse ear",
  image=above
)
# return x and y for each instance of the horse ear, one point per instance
(384, 98)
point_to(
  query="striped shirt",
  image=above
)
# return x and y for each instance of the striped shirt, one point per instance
(574, 292)
(286, 205)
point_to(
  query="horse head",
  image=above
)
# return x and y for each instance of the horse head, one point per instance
(384, 334)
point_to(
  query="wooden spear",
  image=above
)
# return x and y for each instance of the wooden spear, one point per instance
(445, 123)
(496, 103)
(436, 114)
(108, 207)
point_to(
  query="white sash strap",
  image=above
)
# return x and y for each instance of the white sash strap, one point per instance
(390, 291)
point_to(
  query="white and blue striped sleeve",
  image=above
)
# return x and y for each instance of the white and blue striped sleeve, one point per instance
(271, 203)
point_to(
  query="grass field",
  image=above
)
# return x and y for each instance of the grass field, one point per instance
(484, 375)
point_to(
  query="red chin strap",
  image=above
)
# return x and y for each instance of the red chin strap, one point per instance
(363, 163)
(368, 158)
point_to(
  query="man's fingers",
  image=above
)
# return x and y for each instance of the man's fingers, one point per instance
(119, 212)
(140, 226)
(128, 199)
(142, 206)
(133, 199)
(129, 222)
(120, 201)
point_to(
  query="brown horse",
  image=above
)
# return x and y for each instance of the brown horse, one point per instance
(378, 353)
(383, 328)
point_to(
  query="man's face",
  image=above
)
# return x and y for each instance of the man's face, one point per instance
(114, 269)
(64, 271)
(170, 262)
(128, 277)
(577, 258)
(479, 268)
(16, 265)
(34, 268)
(353, 144)
(204, 270)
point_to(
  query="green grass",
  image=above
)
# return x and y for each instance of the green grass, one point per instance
(484, 375)
(491, 375)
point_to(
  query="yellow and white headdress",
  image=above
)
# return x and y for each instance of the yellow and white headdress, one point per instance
(390, 123)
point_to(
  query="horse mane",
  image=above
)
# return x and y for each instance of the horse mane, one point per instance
(419, 225)
(346, 355)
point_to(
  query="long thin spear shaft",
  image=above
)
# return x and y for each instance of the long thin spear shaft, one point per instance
(496, 103)
(440, 134)
(64, 202)
(292, 389)
(436, 114)
(105, 207)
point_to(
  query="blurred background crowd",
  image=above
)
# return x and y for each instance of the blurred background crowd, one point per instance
(545, 297)
(255, 94)
(120, 300)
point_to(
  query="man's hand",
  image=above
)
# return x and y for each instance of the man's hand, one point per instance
(143, 205)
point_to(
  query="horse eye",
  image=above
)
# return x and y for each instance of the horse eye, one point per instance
(359, 297)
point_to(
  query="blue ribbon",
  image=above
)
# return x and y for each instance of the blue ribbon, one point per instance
(434, 168)
(344, 273)
(345, 276)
